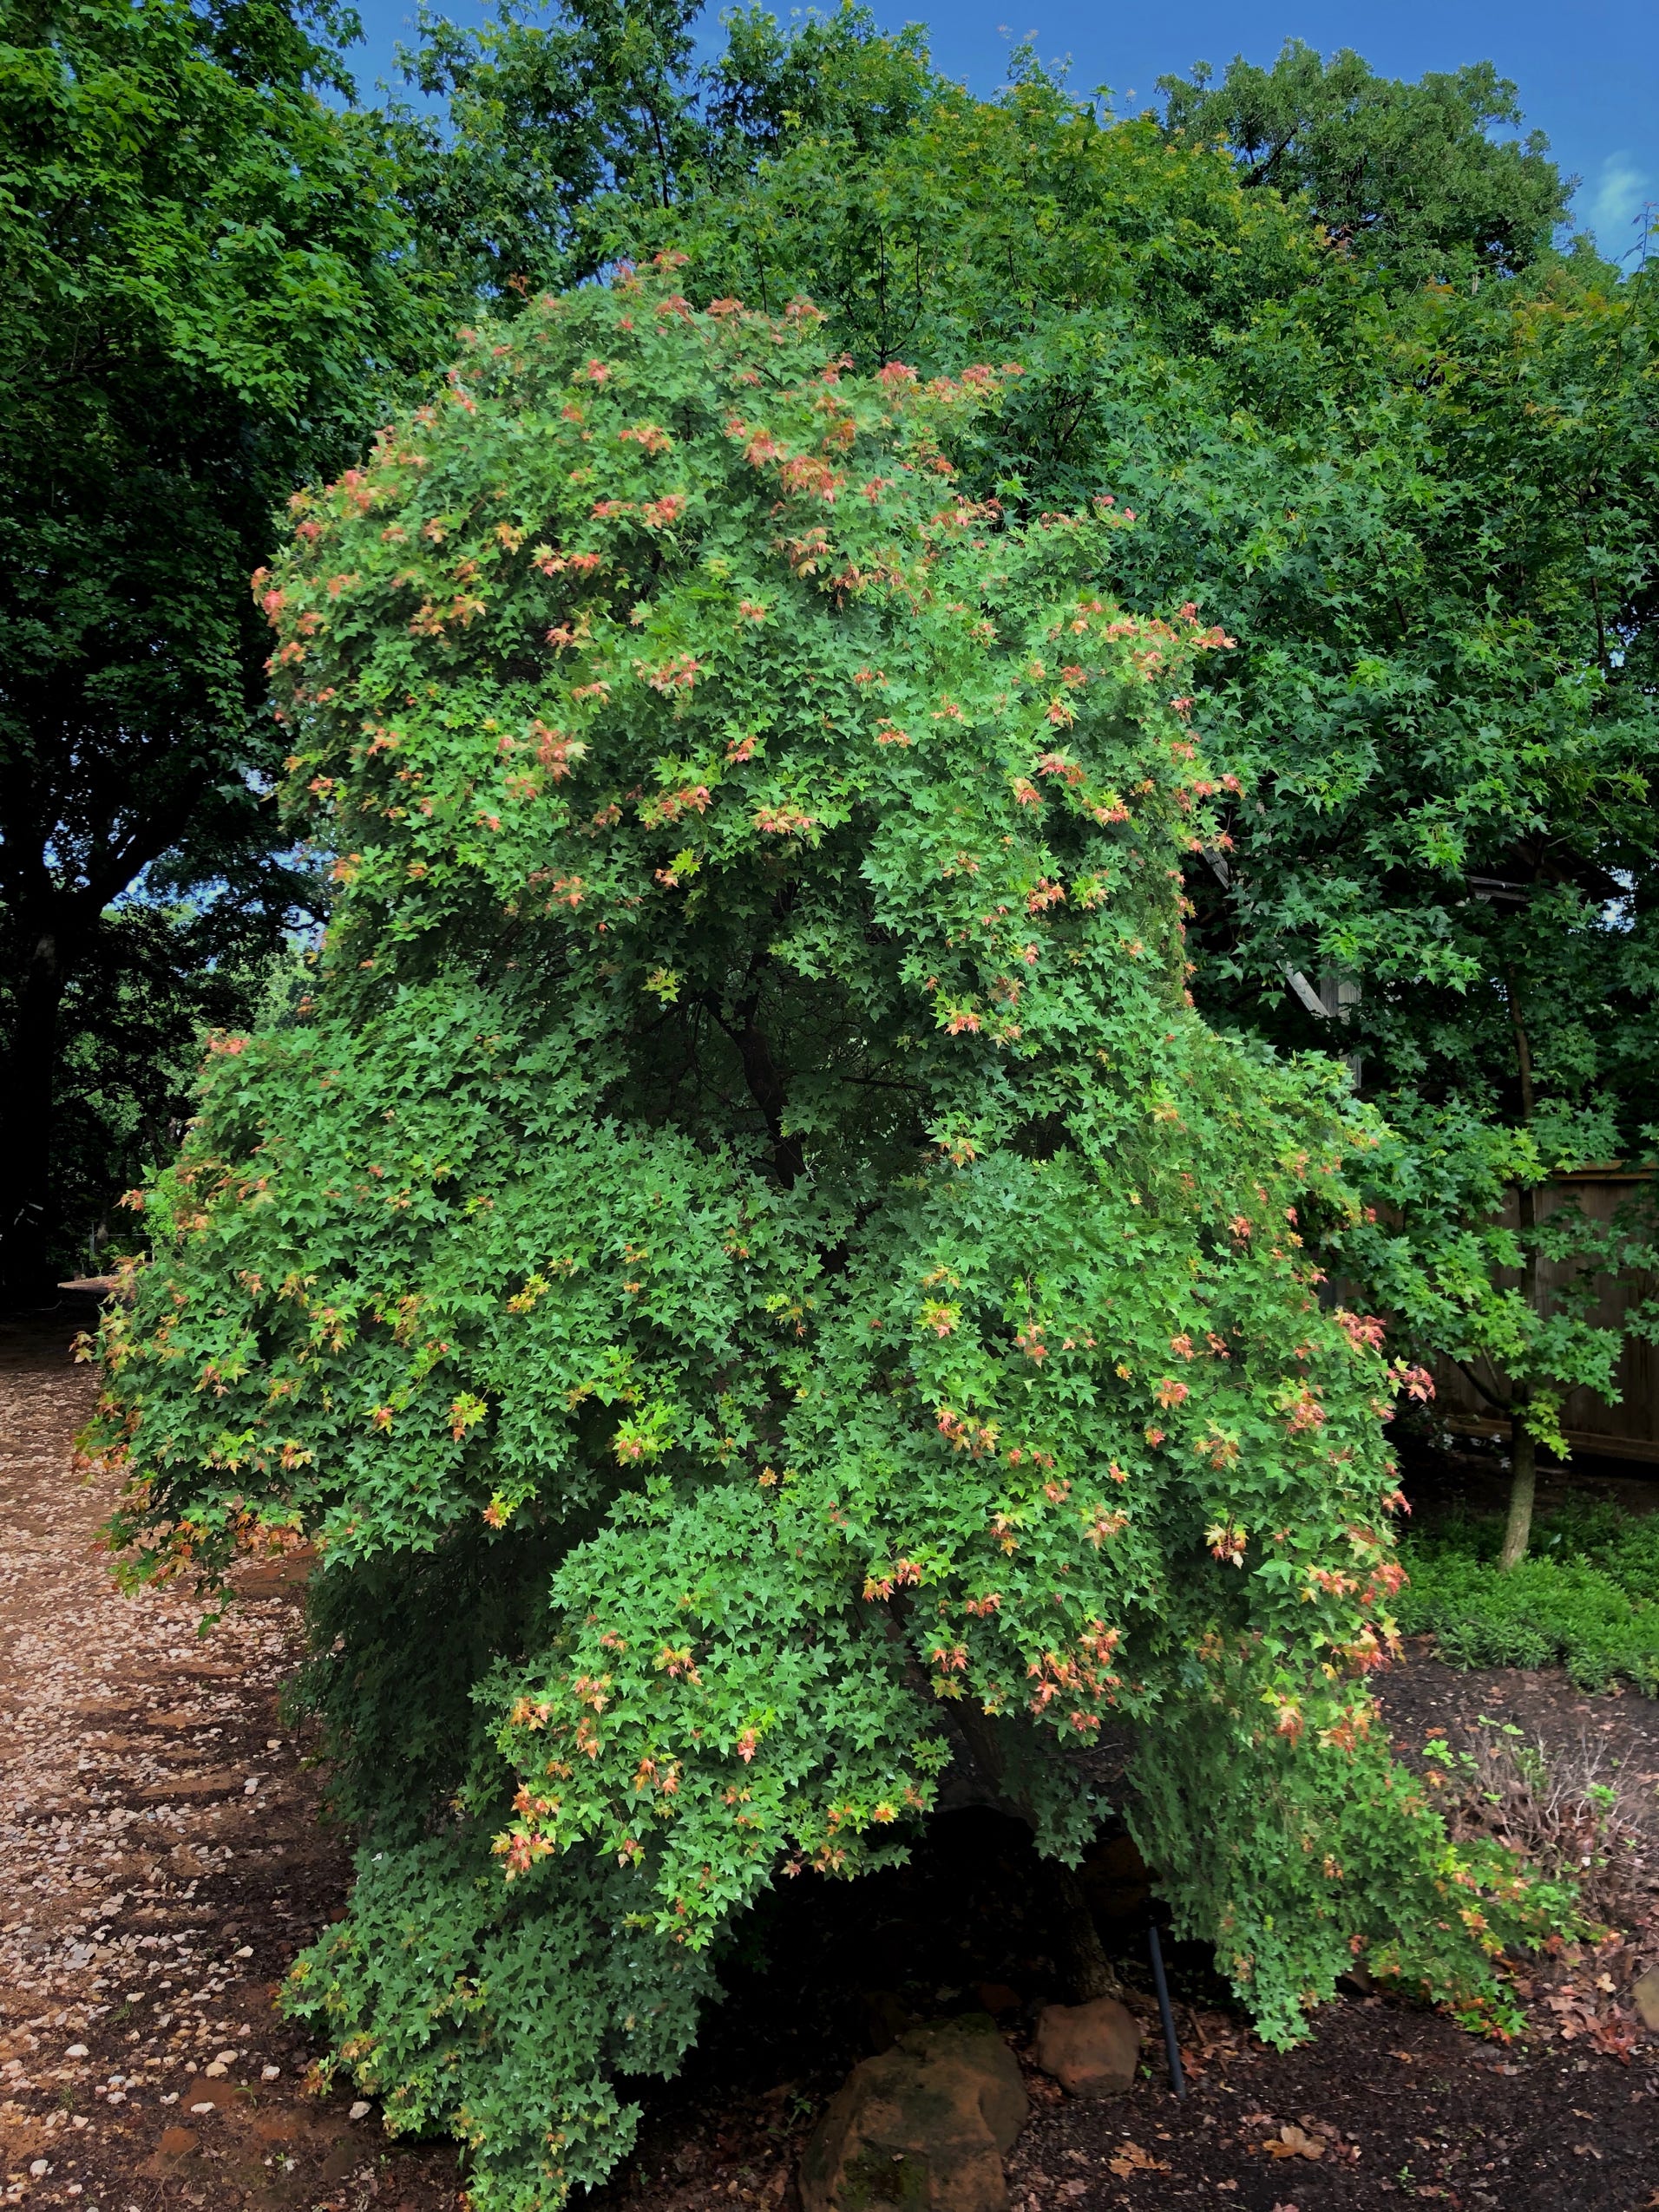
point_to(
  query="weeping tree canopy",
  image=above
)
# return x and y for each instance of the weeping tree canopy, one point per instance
(750, 1269)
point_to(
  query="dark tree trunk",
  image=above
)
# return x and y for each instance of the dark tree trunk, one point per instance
(1088, 1971)
(26, 1117)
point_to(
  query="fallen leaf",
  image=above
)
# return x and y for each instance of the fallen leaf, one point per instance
(1132, 2159)
(1293, 2142)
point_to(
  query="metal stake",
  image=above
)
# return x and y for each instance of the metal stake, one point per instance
(1177, 2081)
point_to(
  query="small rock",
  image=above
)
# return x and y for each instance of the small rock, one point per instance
(77, 2050)
(925, 2123)
(1090, 2050)
(269, 2073)
(1646, 1993)
(40, 2167)
(359, 2111)
(997, 1996)
(202, 2108)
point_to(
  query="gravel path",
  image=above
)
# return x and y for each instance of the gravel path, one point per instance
(160, 1862)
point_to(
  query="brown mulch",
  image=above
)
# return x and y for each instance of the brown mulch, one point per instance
(161, 1860)
(161, 1863)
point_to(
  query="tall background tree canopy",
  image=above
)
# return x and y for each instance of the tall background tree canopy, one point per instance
(200, 259)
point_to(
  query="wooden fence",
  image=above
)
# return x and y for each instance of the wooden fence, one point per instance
(1627, 1430)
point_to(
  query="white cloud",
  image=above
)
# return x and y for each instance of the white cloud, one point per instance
(1616, 202)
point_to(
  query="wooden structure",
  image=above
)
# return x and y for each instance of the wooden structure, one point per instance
(1628, 1430)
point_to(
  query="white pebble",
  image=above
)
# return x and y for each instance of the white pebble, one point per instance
(359, 2111)
(247, 1951)
(75, 2051)
(202, 2108)
(270, 2073)
(225, 2058)
(40, 2167)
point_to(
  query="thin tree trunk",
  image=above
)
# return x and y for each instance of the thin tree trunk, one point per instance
(1523, 1448)
(1522, 1488)
(26, 1120)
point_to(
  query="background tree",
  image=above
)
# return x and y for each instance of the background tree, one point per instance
(203, 296)
(534, 120)
(1406, 176)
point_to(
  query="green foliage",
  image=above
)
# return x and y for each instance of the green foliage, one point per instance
(1332, 1853)
(155, 979)
(553, 120)
(219, 272)
(751, 1146)
(1426, 514)
(1437, 1259)
(1429, 522)
(1403, 175)
(201, 298)
(1585, 1600)
(1029, 221)
(501, 2015)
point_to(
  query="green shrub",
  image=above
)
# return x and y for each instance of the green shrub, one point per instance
(751, 1272)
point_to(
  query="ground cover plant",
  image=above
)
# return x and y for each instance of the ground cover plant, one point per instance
(749, 1268)
(1587, 1598)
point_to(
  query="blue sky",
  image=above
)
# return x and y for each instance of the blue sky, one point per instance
(1588, 70)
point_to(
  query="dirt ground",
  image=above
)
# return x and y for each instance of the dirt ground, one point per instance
(161, 1860)
(161, 1863)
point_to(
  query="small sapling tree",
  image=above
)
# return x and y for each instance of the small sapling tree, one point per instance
(750, 1272)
